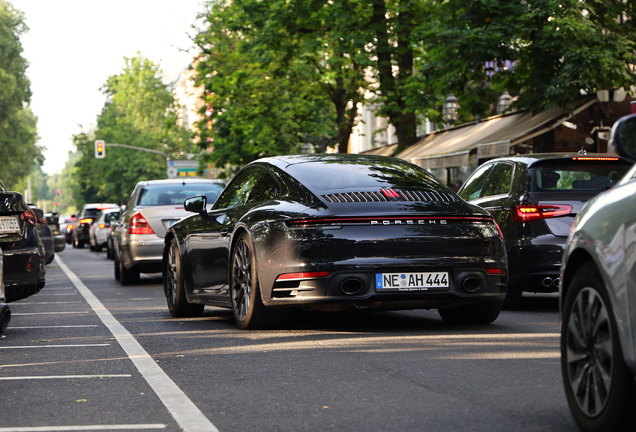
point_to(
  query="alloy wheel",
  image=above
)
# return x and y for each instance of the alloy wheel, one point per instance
(172, 276)
(241, 279)
(589, 352)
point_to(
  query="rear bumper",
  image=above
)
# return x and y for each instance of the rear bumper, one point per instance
(20, 281)
(143, 252)
(326, 292)
(530, 265)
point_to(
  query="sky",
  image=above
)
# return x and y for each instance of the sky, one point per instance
(73, 46)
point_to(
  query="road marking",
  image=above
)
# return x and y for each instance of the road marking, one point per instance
(184, 411)
(48, 313)
(52, 346)
(40, 294)
(63, 377)
(41, 303)
(47, 327)
(84, 428)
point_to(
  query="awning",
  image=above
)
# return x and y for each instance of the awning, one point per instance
(386, 150)
(491, 137)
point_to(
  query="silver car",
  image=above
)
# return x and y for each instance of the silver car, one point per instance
(598, 302)
(152, 208)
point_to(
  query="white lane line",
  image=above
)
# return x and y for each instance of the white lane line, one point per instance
(40, 294)
(84, 428)
(41, 303)
(48, 313)
(49, 327)
(184, 411)
(63, 377)
(52, 346)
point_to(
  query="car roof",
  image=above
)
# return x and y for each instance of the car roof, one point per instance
(97, 205)
(530, 159)
(285, 161)
(183, 180)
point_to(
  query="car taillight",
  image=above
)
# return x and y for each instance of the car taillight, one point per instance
(138, 225)
(102, 226)
(526, 213)
(69, 227)
(302, 275)
(30, 217)
(86, 221)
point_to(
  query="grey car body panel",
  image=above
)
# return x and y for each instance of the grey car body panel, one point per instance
(606, 229)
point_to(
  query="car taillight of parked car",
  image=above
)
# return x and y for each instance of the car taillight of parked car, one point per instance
(101, 226)
(86, 221)
(138, 225)
(30, 217)
(527, 213)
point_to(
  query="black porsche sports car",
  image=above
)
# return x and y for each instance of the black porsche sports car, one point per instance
(329, 232)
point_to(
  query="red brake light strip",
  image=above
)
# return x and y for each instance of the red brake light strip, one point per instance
(591, 158)
(302, 275)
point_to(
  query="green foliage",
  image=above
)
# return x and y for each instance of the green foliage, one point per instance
(140, 112)
(18, 135)
(255, 106)
(560, 49)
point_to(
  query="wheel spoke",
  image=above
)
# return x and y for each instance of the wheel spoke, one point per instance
(241, 280)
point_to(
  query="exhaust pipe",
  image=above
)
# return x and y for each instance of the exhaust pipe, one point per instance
(547, 282)
(557, 282)
(5, 316)
(471, 284)
(351, 286)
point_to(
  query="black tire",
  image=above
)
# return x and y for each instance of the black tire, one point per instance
(117, 275)
(80, 244)
(97, 248)
(73, 243)
(513, 298)
(109, 251)
(174, 287)
(592, 362)
(91, 247)
(127, 276)
(483, 312)
(248, 308)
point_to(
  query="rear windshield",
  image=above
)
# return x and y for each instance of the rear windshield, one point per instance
(168, 194)
(577, 176)
(91, 212)
(355, 174)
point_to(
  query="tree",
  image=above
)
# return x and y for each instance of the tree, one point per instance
(18, 134)
(253, 107)
(139, 111)
(559, 50)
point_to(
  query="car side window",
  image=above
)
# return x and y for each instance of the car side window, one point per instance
(499, 180)
(265, 189)
(238, 191)
(475, 184)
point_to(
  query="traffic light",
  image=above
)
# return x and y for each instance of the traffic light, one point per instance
(100, 149)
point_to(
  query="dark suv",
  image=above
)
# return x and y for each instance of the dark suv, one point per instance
(22, 248)
(80, 233)
(534, 199)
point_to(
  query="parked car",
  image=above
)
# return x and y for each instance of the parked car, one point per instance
(53, 221)
(98, 232)
(110, 248)
(45, 234)
(153, 206)
(80, 232)
(24, 271)
(66, 227)
(5, 312)
(332, 232)
(534, 199)
(598, 302)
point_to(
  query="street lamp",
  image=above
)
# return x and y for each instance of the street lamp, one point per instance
(449, 110)
(504, 102)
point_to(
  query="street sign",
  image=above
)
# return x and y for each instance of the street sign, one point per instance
(182, 168)
(100, 149)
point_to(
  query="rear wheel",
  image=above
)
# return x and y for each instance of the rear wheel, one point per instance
(599, 386)
(117, 268)
(513, 298)
(127, 276)
(249, 311)
(483, 312)
(174, 287)
(109, 250)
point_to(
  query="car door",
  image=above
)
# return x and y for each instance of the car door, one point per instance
(630, 256)
(208, 239)
(496, 196)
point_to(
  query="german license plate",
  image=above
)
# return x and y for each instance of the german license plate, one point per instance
(411, 281)
(9, 224)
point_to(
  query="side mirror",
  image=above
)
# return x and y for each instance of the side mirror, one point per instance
(196, 204)
(623, 137)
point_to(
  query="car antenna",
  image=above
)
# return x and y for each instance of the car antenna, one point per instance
(582, 152)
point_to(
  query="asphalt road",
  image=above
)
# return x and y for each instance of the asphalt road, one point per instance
(71, 361)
